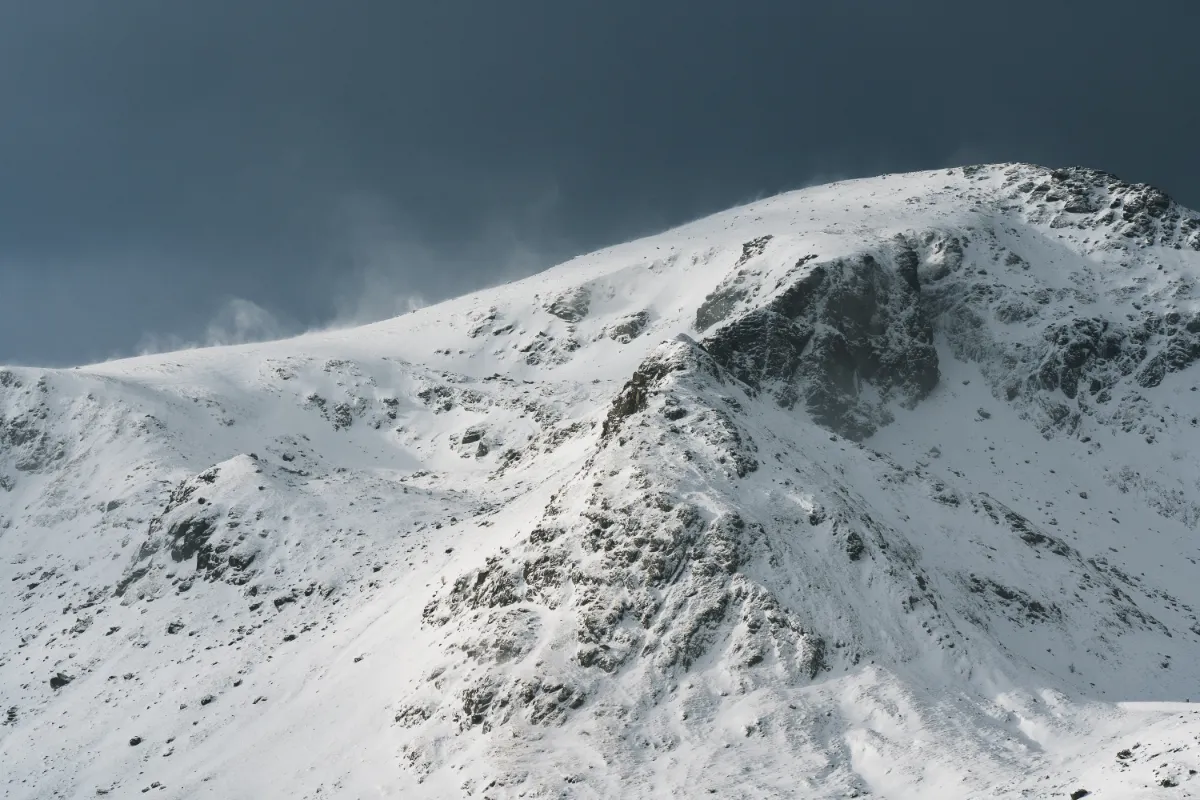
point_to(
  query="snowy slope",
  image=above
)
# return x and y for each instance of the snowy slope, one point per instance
(882, 488)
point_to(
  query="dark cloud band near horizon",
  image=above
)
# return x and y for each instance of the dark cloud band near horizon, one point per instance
(168, 168)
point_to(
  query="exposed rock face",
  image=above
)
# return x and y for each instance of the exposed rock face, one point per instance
(652, 584)
(838, 327)
(203, 530)
(736, 289)
(763, 348)
(1087, 362)
(635, 395)
(1089, 199)
(629, 328)
(627, 575)
(658, 583)
(24, 438)
(571, 306)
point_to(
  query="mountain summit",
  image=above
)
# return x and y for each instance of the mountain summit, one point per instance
(883, 488)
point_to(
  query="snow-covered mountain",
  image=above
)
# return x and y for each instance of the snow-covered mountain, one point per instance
(883, 488)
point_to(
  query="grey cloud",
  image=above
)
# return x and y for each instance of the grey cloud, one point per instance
(308, 155)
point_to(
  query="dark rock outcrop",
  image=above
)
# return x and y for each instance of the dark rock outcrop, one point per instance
(652, 582)
(1089, 199)
(734, 289)
(572, 305)
(197, 525)
(838, 326)
(629, 327)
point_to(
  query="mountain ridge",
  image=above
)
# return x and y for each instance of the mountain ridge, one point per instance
(832, 483)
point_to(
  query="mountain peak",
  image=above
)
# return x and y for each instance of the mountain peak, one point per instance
(882, 487)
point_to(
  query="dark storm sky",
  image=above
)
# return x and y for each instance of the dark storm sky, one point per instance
(191, 172)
